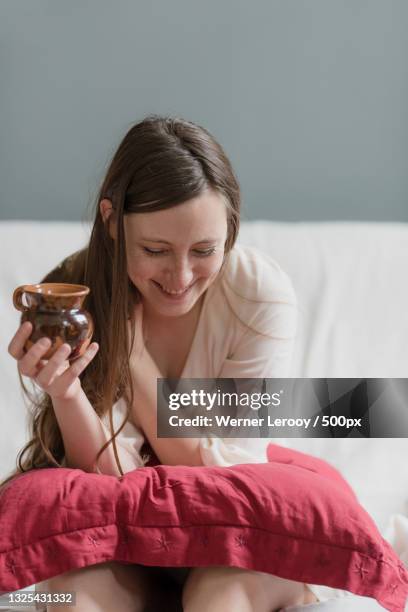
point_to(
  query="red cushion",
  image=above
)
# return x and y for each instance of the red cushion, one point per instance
(294, 517)
(281, 454)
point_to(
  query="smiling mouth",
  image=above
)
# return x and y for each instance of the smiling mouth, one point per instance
(174, 296)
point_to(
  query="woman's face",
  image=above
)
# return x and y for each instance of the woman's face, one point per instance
(174, 255)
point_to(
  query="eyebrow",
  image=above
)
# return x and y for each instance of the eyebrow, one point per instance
(204, 241)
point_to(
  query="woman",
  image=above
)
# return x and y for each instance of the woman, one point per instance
(172, 295)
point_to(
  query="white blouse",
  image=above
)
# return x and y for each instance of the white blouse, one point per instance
(253, 290)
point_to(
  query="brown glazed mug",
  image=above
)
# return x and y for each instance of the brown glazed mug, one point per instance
(55, 311)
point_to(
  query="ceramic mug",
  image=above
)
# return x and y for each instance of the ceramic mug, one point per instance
(55, 311)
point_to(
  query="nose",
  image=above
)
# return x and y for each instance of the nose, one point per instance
(181, 274)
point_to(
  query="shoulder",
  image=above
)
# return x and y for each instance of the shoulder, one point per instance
(258, 293)
(254, 275)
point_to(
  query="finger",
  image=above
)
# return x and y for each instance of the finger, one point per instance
(28, 364)
(40, 365)
(16, 346)
(52, 368)
(43, 362)
(79, 364)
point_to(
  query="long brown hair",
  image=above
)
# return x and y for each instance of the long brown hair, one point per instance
(160, 163)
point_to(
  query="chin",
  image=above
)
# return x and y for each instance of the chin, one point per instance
(170, 309)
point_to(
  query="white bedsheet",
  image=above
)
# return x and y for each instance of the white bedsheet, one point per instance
(350, 279)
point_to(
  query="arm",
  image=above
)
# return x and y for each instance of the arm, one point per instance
(170, 451)
(82, 431)
(84, 434)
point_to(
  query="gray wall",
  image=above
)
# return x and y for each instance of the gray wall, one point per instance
(308, 97)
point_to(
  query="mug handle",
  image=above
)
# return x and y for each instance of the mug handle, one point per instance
(17, 298)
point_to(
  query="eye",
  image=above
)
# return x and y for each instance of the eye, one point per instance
(198, 252)
(204, 253)
(152, 251)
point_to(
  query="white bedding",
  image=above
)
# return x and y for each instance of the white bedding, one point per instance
(350, 279)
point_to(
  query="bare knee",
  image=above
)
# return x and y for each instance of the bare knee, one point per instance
(215, 588)
(101, 588)
(219, 587)
(212, 588)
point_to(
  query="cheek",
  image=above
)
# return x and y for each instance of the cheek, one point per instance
(209, 268)
(142, 270)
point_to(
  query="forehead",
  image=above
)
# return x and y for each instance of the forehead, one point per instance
(199, 218)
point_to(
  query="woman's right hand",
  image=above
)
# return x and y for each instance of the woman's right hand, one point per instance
(55, 376)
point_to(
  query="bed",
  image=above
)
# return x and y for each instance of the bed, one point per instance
(350, 280)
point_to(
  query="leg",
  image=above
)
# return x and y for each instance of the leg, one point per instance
(215, 589)
(309, 596)
(102, 588)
